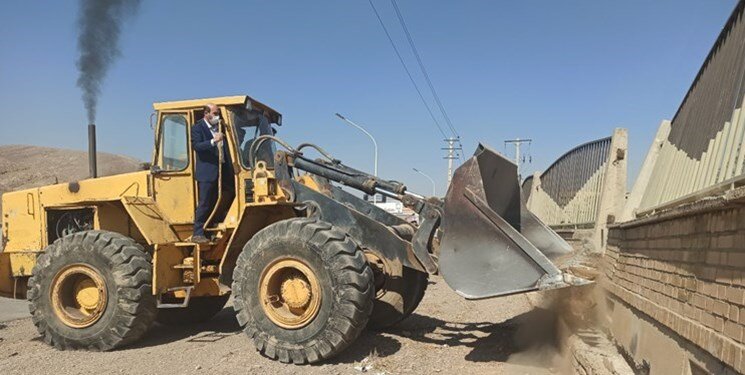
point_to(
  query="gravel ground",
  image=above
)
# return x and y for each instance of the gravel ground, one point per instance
(446, 334)
(12, 309)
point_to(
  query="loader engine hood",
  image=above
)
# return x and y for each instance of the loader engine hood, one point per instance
(491, 244)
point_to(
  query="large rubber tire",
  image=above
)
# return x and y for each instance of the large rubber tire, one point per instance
(345, 279)
(126, 270)
(398, 291)
(200, 310)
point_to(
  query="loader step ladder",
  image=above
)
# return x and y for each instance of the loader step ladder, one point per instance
(185, 303)
(194, 266)
(221, 227)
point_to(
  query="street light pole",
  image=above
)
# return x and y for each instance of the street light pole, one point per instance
(375, 145)
(434, 194)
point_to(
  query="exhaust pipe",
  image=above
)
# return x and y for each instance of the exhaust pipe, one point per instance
(92, 167)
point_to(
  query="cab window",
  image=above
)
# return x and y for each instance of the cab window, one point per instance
(248, 126)
(174, 154)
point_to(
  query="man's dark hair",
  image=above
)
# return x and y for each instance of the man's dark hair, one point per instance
(206, 109)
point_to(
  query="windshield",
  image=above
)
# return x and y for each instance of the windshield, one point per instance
(248, 126)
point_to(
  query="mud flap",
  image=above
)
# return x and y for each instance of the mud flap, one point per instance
(491, 244)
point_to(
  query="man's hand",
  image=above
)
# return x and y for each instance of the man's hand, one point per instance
(218, 137)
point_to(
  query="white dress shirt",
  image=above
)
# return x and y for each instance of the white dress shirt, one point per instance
(214, 130)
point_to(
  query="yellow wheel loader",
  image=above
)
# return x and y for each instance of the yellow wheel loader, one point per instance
(309, 264)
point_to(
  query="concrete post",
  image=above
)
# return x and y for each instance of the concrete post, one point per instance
(534, 187)
(645, 173)
(613, 193)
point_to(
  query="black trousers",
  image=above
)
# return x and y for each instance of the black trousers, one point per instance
(208, 197)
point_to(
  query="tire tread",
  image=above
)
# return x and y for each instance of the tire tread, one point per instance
(131, 267)
(355, 291)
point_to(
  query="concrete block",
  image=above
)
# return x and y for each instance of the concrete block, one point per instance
(720, 308)
(718, 324)
(689, 283)
(724, 276)
(734, 313)
(737, 258)
(735, 295)
(722, 291)
(726, 241)
(733, 330)
(710, 289)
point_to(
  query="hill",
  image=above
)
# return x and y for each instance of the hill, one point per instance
(23, 166)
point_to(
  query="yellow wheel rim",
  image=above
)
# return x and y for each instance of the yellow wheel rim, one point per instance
(78, 295)
(290, 293)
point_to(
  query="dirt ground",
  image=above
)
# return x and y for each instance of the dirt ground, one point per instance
(446, 334)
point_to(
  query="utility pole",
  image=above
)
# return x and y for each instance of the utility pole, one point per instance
(518, 142)
(452, 150)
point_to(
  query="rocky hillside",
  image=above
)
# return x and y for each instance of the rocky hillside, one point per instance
(24, 166)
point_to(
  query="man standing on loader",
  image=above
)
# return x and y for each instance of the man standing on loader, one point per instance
(214, 167)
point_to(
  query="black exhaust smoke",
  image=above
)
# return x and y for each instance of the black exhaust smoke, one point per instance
(99, 24)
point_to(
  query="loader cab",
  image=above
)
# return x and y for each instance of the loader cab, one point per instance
(173, 165)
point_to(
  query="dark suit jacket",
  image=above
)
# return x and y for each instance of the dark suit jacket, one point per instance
(206, 168)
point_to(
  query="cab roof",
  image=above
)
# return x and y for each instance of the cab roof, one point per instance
(241, 100)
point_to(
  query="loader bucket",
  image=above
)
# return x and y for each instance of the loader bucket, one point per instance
(491, 244)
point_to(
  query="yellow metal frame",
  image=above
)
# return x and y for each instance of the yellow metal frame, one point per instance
(174, 185)
(222, 101)
(129, 204)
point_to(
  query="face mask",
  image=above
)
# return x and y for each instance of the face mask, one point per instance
(215, 120)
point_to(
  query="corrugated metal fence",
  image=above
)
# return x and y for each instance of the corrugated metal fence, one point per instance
(704, 148)
(569, 191)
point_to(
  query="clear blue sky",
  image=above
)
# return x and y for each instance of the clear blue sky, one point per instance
(561, 73)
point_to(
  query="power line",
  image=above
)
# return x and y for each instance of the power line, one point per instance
(408, 73)
(424, 70)
(454, 152)
(426, 77)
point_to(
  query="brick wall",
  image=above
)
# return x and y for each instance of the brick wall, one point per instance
(686, 270)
